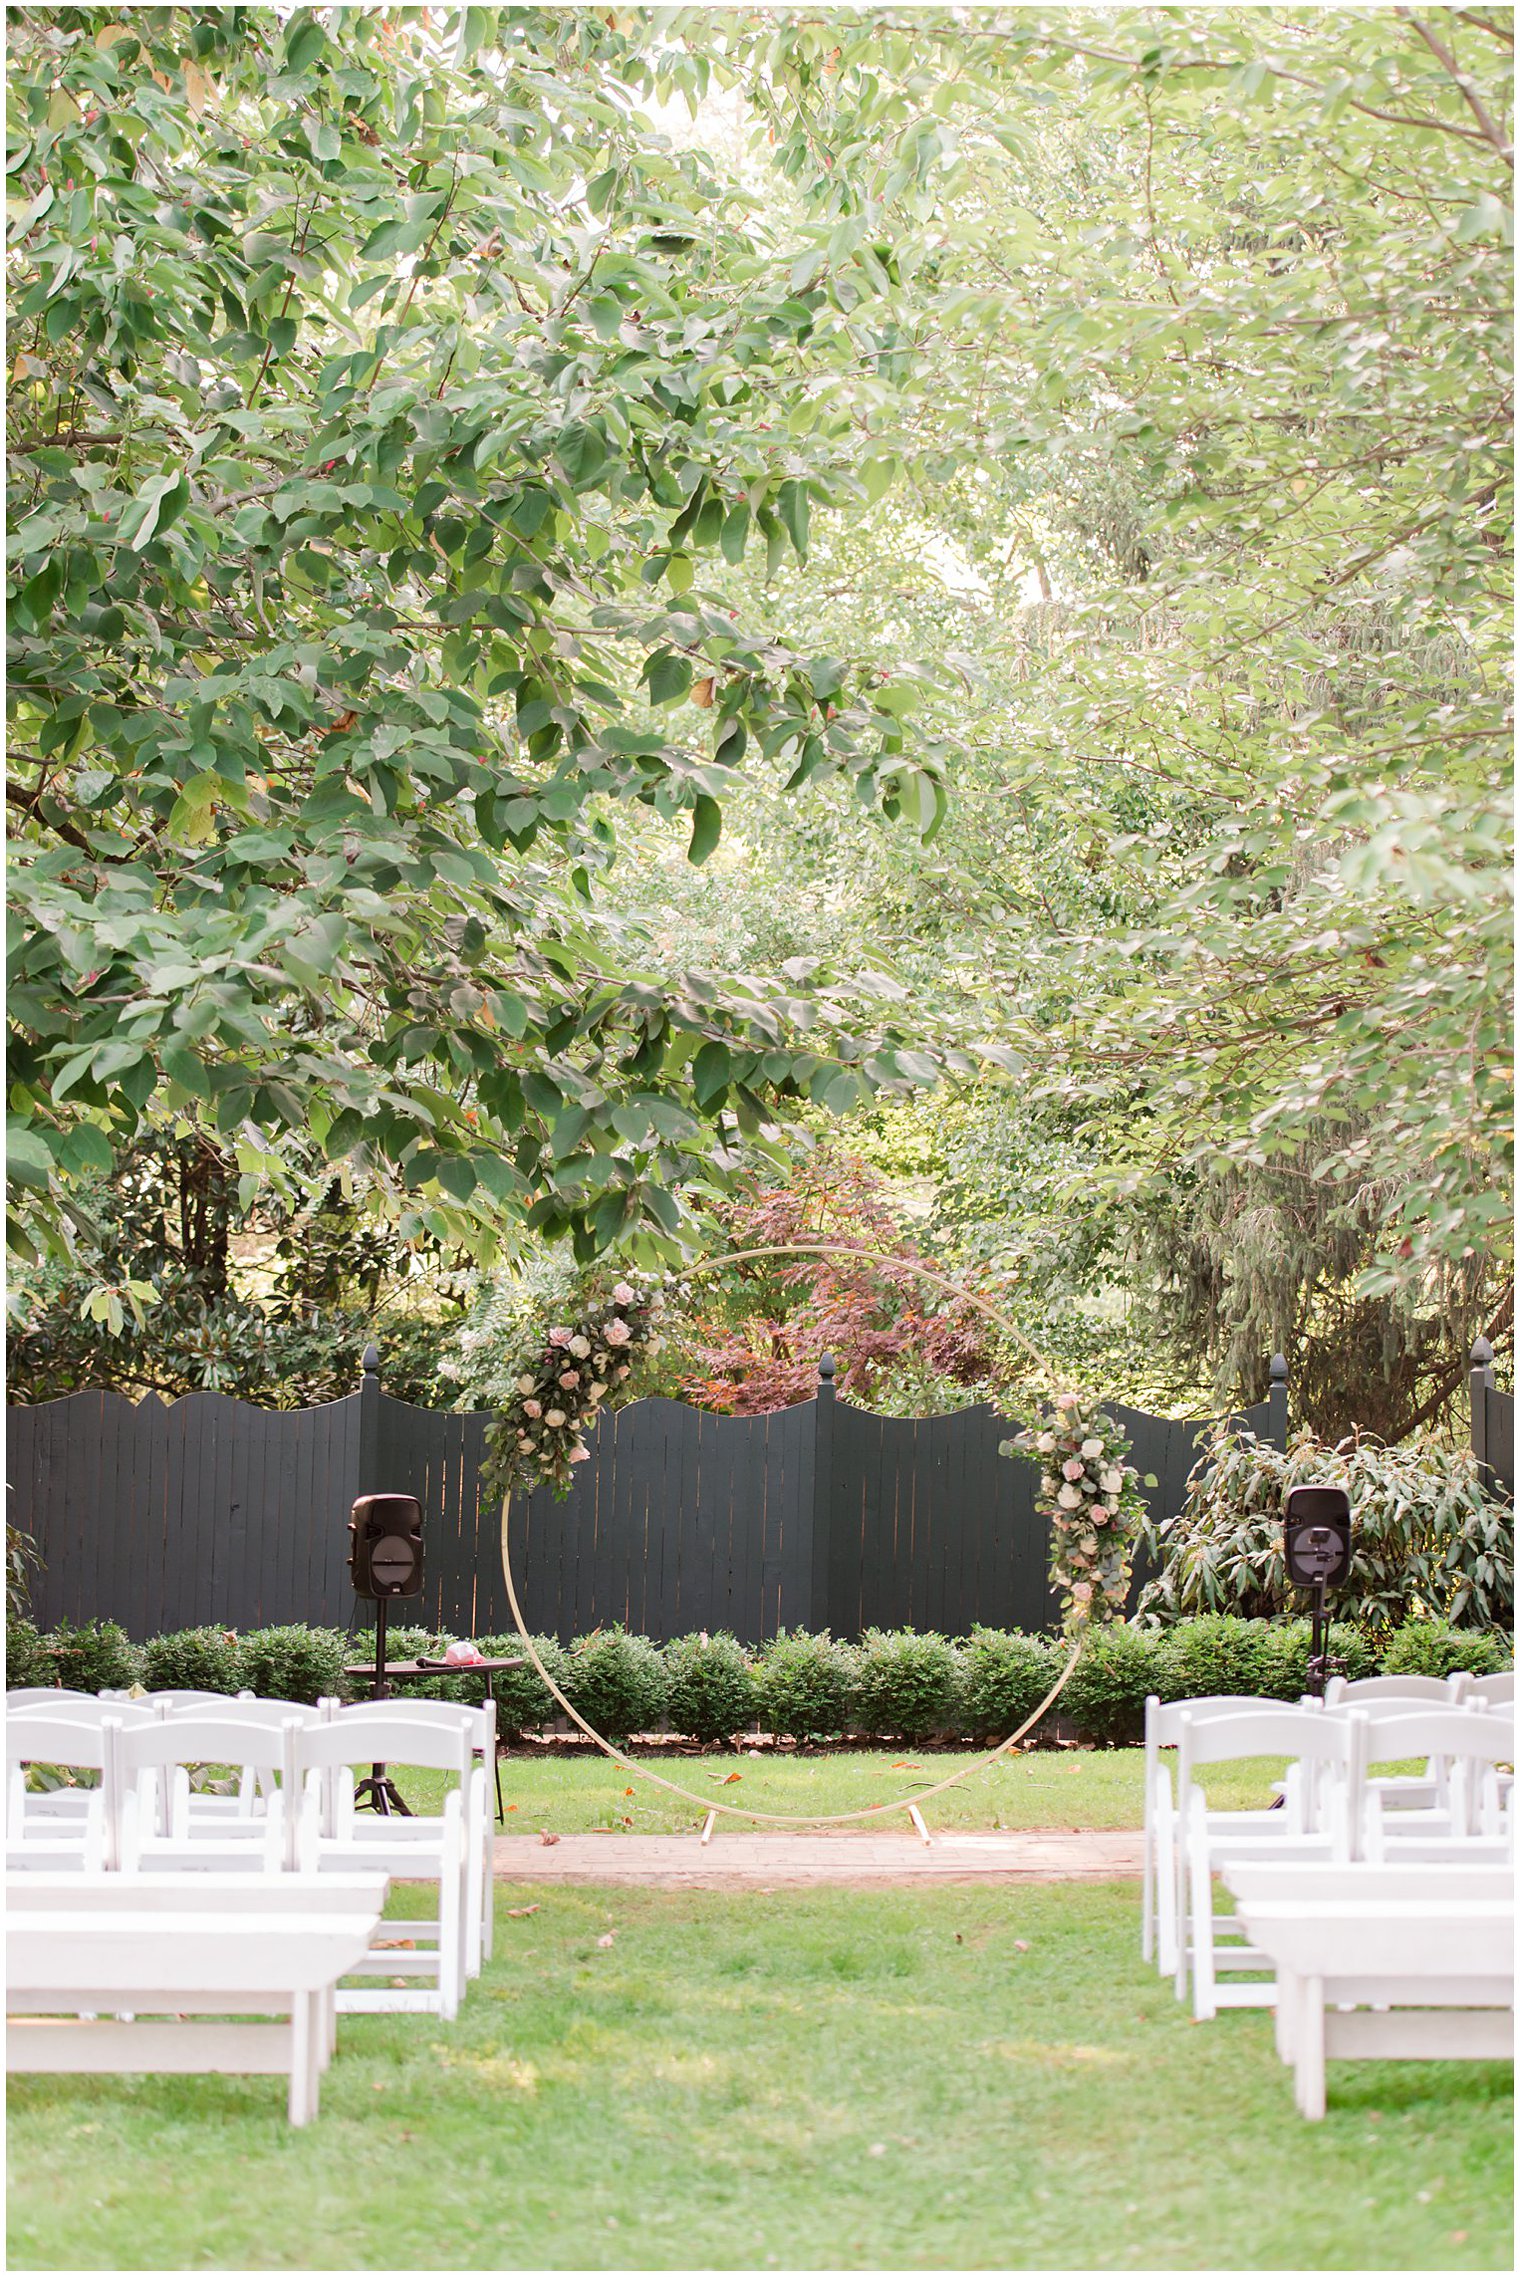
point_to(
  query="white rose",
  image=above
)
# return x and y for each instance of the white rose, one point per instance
(1070, 1498)
(1111, 1481)
(1045, 1444)
(1091, 1450)
(596, 1392)
(555, 1419)
(525, 1384)
(580, 1346)
(1047, 1482)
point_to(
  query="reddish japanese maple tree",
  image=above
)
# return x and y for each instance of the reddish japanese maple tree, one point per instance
(757, 1343)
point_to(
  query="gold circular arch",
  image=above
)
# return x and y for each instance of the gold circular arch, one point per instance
(707, 1803)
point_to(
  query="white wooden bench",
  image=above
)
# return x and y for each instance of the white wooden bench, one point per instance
(103, 1972)
(1382, 1961)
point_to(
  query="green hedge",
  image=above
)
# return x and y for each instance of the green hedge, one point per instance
(898, 1685)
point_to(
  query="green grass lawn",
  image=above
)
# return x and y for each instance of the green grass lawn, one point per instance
(946, 2078)
(1056, 1787)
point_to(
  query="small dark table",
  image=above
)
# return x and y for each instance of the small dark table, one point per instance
(485, 1668)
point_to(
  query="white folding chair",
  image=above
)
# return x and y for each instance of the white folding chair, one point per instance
(254, 1786)
(1422, 1791)
(1160, 1852)
(28, 1695)
(334, 1836)
(148, 1769)
(1319, 1824)
(85, 1837)
(479, 1727)
(1477, 1745)
(188, 1697)
(1356, 1691)
(1493, 1691)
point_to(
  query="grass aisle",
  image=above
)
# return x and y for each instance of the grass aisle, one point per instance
(950, 2078)
(1097, 1788)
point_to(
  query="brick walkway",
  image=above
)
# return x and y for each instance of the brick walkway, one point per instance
(777, 1861)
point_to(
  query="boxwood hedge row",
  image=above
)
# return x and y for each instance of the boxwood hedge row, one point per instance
(899, 1685)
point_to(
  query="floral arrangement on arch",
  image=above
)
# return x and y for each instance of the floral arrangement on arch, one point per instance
(582, 1367)
(1092, 1498)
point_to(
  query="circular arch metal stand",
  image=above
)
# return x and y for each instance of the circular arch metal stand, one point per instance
(706, 1803)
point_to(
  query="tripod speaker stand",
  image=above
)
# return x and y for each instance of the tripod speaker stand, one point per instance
(385, 1561)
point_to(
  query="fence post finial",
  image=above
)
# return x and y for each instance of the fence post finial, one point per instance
(1277, 1402)
(826, 1371)
(371, 1360)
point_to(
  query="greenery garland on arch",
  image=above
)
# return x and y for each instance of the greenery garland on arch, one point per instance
(1088, 1491)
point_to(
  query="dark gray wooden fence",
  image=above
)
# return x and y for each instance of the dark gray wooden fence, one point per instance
(1493, 1421)
(209, 1510)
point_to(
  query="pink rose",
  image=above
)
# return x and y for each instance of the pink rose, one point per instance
(570, 1379)
(559, 1336)
(622, 1294)
(1081, 1591)
(625, 1370)
(617, 1332)
(1066, 1399)
(580, 1454)
(1072, 1470)
(533, 1407)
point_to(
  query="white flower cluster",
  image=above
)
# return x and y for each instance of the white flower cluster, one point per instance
(1091, 1496)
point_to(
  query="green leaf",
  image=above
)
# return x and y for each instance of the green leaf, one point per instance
(668, 676)
(792, 506)
(304, 41)
(706, 828)
(710, 1072)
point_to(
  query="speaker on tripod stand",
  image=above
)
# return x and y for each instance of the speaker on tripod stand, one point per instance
(384, 1562)
(1317, 1555)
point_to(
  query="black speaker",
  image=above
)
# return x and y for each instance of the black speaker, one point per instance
(1317, 1536)
(385, 1545)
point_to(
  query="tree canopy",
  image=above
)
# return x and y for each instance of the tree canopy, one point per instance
(383, 385)
(514, 510)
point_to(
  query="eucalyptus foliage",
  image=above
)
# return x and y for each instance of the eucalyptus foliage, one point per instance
(1426, 1540)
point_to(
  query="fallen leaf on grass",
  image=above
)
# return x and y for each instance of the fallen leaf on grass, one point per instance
(628, 1790)
(1021, 1944)
(511, 1806)
(520, 1912)
(733, 1778)
(907, 1767)
(396, 1944)
(605, 1944)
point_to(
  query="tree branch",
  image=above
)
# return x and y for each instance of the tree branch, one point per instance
(1465, 84)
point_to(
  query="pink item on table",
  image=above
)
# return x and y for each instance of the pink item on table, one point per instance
(463, 1655)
